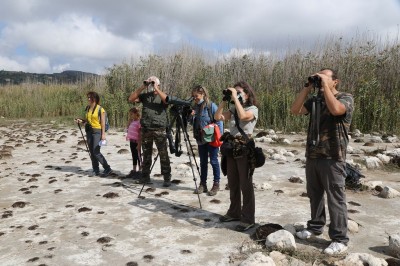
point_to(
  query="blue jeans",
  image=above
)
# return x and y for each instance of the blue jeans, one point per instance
(206, 151)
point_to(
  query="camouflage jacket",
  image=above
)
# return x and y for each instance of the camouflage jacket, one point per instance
(333, 130)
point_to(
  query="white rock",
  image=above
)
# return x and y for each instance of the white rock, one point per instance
(284, 260)
(258, 259)
(388, 193)
(394, 153)
(371, 184)
(376, 139)
(352, 226)
(290, 228)
(350, 149)
(392, 139)
(271, 132)
(263, 186)
(281, 151)
(357, 133)
(372, 162)
(278, 157)
(394, 245)
(286, 141)
(282, 240)
(359, 259)
(384, 158)
(263, 139)
(289, 154)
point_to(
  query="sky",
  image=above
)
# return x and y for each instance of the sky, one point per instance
(50, 36)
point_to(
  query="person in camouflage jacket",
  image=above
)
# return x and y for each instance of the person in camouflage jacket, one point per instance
(330, 114)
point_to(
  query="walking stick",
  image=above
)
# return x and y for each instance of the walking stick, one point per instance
(87, 147)
(151, 168)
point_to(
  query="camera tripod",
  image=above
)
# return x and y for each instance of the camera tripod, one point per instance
(180, 125)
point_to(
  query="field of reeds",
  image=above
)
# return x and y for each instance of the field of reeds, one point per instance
(367, 67)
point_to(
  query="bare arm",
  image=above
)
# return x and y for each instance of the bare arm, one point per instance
(163, 96)
(103, 125)
(135, 95)
(220, 115)
(298, 104)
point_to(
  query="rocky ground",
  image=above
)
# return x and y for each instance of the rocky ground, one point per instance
(54, 213)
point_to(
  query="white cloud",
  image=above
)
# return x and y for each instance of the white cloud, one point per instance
(10, 65)
(61, 68)
(90, 35)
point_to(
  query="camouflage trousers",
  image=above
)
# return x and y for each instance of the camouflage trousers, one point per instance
(159, 137)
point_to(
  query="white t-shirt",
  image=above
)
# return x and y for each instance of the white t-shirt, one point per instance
(247, 126)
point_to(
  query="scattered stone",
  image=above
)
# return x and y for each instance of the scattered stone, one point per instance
(281, 240)
(296, 179)
(148, 258)
(388, 193)
(185, 251)
(258, 258)
(111, 195)
(123, 151)
(352, 226)
(372, 162)
(263, 186)
(354, 259)
(216, 201)
(84, 209)
(263, 231)
(19, 204)
(394, 245)
(104, 240)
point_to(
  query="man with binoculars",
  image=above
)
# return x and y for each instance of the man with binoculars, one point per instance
(154, 123)
(330, 113)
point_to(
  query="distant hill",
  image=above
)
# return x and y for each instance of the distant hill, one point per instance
(18, 77)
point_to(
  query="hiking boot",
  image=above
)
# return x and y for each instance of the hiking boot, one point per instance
(106, 172)
(94, 174)
(214, 190)
(167, 183)
(131, 174)
(243, 227)
(143, 181)
(226, 218)
(201, 189)
(335, 248)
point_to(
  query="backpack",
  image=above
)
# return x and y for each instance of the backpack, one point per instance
(107, 123)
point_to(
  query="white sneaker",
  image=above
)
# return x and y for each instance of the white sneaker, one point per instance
(335, 248)
(305, 234)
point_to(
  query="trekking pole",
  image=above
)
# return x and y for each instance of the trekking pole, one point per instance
(87, 147)
(151, 168)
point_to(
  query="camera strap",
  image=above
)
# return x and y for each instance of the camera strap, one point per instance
(209, 109)
(239, 128)
(315, 119)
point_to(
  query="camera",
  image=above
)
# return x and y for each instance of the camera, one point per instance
(315, 81)
(145, 82)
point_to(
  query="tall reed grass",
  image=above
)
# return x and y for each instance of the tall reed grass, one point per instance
(367, 67)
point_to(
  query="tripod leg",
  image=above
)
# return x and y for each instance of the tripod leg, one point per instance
(151, 168)
(189, 149)
(87, 147)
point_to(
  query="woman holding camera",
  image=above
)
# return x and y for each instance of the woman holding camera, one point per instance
(203, 112)
(240, 180)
